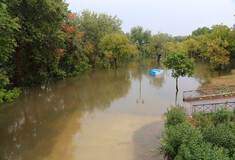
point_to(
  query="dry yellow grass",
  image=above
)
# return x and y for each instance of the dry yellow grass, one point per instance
(221, 81)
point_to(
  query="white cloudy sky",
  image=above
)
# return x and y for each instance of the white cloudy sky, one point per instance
(176, 17)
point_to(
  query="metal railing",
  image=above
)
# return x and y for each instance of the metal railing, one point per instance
(212, 107)
(208, 92)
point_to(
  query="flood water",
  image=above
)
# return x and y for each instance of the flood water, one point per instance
(101, 115)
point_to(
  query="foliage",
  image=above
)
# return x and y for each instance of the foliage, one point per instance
(175, 136)
(221, 135)
(8, 26)
(217, 53)
(192, 47)
(216, 44)
(180, 64)
(115, 47)
(194, 150)
(73, 58)
(221, 116)
(9, 95)
(38, 38)
(158, 43)
(200, 120)
(175, 116)
(201, 31)
(139, 36)
(189, 141)
(94, 27)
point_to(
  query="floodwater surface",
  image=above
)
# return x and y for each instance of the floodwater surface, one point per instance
(101, 115)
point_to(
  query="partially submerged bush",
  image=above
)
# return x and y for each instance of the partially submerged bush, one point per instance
(9, 95)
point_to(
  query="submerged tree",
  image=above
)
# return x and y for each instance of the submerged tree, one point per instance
(115, 47)
(38, 38)
(141, 37)
(8, 26)
(217, 53)
(180, 64)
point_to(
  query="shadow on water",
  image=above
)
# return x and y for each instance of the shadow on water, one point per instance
(145, 140)
(30, 125)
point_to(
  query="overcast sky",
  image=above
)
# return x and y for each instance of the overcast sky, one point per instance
(176, 17)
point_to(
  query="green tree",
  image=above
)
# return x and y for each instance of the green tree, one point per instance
(180, 64)
(74, 55)
(157, 44)
(115, 47)
(38, 38)
(139, 36)
(201, 31)
(217, 53)
(94, 27)
(192, 46)
(8, 26)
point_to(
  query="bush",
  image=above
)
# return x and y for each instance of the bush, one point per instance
(200, 120)
(221, 116)
(175, 116)
(222, 136)
(175, 136)
(205, 151)
(9, 95)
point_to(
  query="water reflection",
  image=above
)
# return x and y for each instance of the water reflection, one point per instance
(45, 119)
(41, 113)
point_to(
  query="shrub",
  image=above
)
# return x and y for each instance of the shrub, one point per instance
(205, 151)
(200, 120)
(177, 135)
(9, 95)
(222, 136)
(175, 116)
(221, 116)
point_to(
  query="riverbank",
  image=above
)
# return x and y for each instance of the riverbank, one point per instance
(227, 80)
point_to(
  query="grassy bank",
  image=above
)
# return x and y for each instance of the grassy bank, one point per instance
(220, 81)
(202, 136)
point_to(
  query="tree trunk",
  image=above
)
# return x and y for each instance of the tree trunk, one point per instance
(17, 67)
(158, 57)
(176, 98)
(177, 84)
(115, 62)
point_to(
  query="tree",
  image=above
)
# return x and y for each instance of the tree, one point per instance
(180, 64)
(192, 46)
(73, 57)
(140, 36)
(157, 44)
(94, 27)
(38, 38)
(8, 26)
(201, 31)
(217, 53)
(115, 47)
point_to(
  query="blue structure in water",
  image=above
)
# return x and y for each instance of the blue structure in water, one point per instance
(154, 72)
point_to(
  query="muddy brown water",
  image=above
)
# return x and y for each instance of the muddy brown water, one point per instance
(101, 115)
